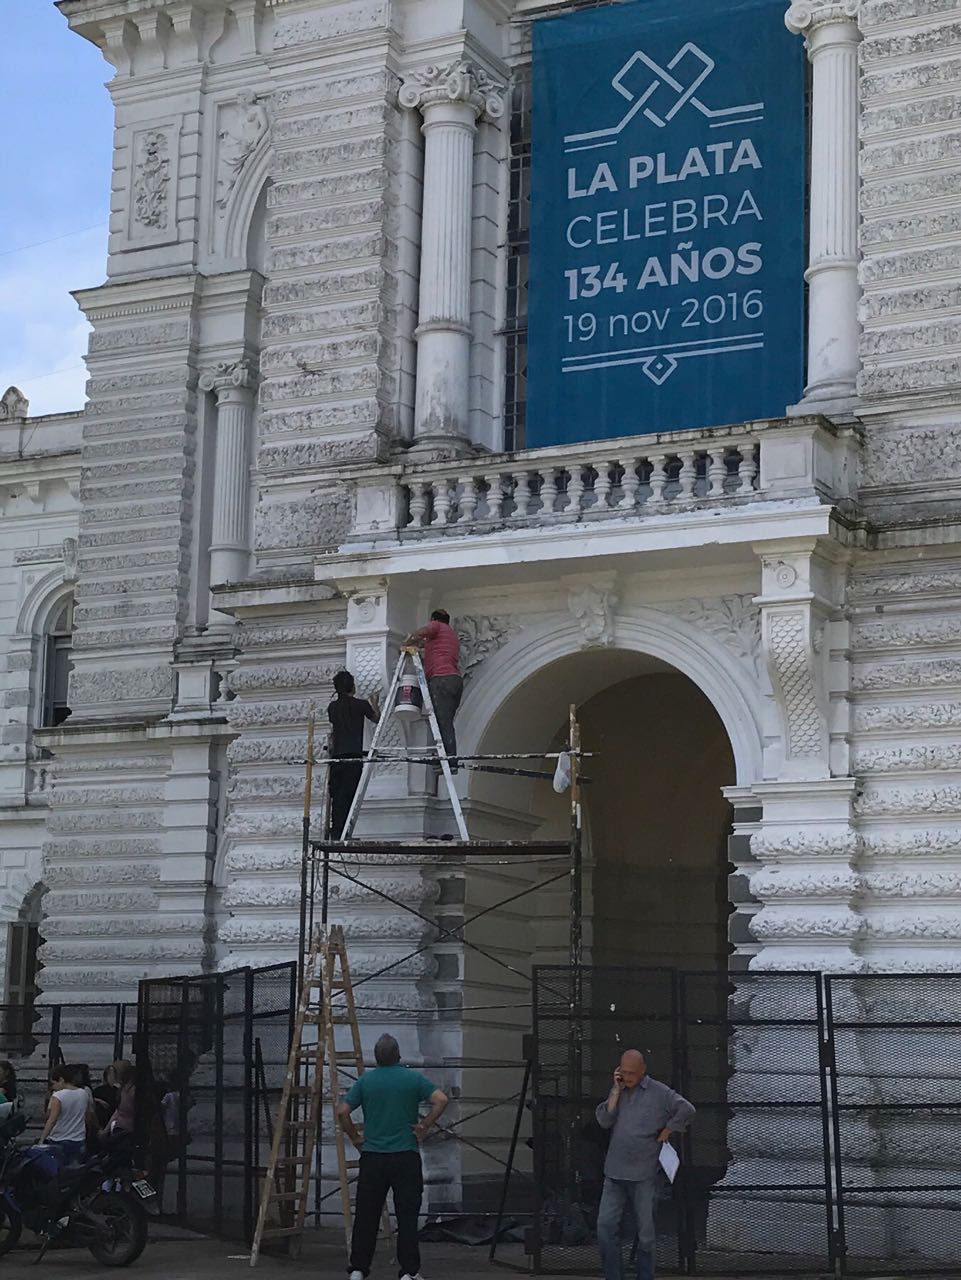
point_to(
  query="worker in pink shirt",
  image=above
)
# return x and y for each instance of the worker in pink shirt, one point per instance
(441, 666)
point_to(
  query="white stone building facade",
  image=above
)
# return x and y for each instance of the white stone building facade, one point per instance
(302, 369)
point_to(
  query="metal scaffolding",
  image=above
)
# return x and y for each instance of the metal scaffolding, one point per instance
(349, 859)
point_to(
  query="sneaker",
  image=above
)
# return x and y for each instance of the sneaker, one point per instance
(357, 1275)
(408, 1276)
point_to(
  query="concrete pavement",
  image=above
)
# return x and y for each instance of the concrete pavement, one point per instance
(180, 1255)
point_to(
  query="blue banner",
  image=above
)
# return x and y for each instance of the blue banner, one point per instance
(667, 219)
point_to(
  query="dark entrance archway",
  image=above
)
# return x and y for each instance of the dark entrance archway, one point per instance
(658, 824)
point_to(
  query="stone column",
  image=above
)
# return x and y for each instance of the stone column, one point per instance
(232, 383)
(451, 98)
(831, 35)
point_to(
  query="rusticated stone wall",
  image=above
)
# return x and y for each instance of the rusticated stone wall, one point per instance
(910, 167)
(906, 691)
(337, 359)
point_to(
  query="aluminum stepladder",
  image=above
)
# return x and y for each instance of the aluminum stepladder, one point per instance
(326, 1003)
(408, 653)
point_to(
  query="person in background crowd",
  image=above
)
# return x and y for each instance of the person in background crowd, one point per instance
(346, 714)
(69, 1114)
(105, 1098)
(441, 647)
(80, 1073)
(120, 1127)
(8, 1082)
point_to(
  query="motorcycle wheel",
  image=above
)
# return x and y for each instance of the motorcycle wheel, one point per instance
(128, 1230)
(11, 1224)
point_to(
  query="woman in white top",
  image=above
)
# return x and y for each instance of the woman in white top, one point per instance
(68, 1110)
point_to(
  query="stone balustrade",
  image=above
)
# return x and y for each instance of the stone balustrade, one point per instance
(638, 476)
(592, 484)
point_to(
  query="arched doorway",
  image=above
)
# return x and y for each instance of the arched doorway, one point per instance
(655, 873)
(656, 820)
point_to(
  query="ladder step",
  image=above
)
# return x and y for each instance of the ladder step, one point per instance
(285, 1195)
(274, 1233)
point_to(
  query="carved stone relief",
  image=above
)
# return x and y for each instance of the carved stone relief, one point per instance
(150, 189)
(592, 608)
(482, 635)
(790, 658)
(241, 132)
(152, 201)
(735, 621)
(793, 620)
(69, 551)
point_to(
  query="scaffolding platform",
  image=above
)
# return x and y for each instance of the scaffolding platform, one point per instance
(468, 848)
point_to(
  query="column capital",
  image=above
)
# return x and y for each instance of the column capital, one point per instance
(443, 84)
(805, 17)
(227, 376)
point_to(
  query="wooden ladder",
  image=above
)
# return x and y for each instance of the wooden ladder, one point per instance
(326, 1003)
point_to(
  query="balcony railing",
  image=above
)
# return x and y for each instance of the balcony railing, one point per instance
(622, 479)
(583, 488)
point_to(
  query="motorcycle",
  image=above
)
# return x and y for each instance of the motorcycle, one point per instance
(100, 1204)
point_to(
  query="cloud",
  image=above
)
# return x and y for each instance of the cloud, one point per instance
(43, 335)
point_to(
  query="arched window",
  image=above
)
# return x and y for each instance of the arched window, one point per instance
(57, 644)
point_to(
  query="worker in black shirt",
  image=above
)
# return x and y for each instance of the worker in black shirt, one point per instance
(346, 715)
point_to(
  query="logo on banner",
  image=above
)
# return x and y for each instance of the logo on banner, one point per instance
(665, 86)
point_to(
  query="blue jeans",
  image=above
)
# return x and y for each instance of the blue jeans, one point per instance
(617, 1195)
(70, 1152)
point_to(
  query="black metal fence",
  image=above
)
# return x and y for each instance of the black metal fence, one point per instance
(829, 1112)
(211, 1056)
(826, 1141)
(37, 1038)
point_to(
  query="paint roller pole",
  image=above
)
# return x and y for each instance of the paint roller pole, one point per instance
(575, 1083)
(305, 847)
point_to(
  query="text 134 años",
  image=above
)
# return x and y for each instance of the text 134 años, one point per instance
(685, 264)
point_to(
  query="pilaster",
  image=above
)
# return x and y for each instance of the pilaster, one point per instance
(831, 35)
(806, 848)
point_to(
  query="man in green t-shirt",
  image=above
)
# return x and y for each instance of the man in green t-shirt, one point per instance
(390, 1097)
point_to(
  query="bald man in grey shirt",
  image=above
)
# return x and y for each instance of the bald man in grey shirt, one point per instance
(641, 1114)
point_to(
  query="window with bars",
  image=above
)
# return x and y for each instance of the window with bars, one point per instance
(57, 646)
(518, 246)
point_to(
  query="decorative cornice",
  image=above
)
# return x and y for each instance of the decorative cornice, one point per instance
(450, 82)
(805, 16)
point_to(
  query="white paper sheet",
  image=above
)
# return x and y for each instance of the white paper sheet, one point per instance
(669, 1160)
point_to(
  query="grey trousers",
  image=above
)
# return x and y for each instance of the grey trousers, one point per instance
(446, 693)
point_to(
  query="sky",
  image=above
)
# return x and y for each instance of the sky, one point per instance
(55, 149)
